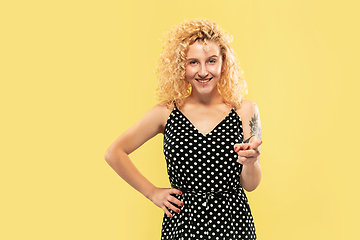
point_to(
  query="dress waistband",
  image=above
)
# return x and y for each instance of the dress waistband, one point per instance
(209, 195)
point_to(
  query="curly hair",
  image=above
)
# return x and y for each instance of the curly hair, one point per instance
(170, 68)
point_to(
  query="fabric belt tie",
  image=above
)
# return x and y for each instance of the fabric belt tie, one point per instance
(209, 195)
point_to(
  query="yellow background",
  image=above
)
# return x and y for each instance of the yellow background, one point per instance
(76, 74)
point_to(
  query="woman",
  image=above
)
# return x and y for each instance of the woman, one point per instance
(211, 138)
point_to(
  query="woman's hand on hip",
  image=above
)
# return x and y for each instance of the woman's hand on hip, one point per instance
(162, 198)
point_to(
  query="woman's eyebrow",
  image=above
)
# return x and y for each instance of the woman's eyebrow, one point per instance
(194, 58)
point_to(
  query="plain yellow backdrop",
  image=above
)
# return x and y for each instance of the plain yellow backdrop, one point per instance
(76, 74)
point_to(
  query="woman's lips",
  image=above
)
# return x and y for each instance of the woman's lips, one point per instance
(203, 81)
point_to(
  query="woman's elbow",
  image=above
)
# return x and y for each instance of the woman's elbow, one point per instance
(252, 185)
(251, 188)
(109, 156)
(113, 155)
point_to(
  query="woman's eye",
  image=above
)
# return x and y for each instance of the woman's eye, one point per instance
(212, 61)
(192, 62)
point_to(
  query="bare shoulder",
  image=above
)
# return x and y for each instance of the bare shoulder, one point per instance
(247, 109)
(162, 110)
(158, 115)
(149, 125)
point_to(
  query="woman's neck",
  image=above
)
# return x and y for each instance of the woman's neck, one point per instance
(212, 98)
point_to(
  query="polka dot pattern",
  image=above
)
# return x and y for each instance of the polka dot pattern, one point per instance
(205, 169)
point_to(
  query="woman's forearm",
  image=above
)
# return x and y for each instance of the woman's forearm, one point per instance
(125, 168)
(250, 176)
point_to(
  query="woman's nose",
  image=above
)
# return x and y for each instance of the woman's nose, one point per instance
(203, 72)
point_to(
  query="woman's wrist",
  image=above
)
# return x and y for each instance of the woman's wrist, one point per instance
(150, 192)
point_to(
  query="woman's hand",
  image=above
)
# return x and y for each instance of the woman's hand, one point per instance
(162, 198)
(248, 153)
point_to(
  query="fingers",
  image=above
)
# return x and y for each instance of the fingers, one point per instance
(176, 201)
(169, 201)
(173, 200)
(169, 205)
(175, 191)
(166, 211)
(241, 147)
(255, 144)
(246, 146)
(247, 160)
(248, 153)
(248, 157)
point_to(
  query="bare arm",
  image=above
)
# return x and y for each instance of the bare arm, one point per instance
(117, 156)
(249, 151)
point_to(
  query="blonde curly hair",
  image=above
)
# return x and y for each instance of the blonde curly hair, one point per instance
(170, 68)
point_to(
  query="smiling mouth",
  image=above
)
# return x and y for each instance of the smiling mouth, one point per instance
(203, 81)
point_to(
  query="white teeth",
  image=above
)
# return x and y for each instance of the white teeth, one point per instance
(203, 81)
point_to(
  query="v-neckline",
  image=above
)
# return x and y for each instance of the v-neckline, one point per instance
(209, 133)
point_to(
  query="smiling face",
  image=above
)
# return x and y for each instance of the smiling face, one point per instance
(203, 67)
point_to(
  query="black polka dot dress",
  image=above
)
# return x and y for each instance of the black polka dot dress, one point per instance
(205, 169)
